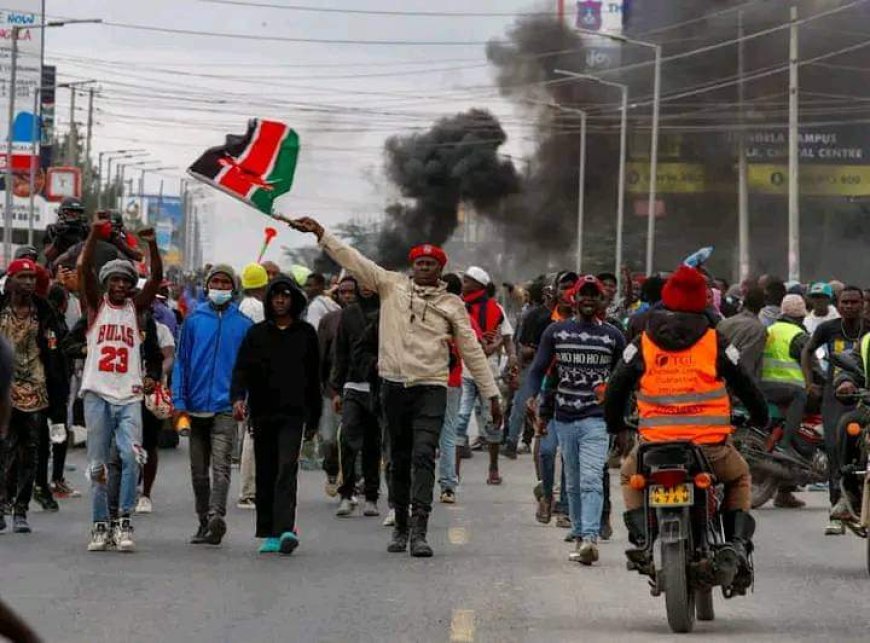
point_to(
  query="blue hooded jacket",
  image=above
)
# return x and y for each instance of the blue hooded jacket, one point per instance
(205, 358)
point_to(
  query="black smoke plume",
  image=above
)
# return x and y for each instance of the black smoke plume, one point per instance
(455, 161)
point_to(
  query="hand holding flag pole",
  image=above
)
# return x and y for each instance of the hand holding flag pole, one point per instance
(270, 234)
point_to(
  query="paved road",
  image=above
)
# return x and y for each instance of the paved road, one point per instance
(496, 576)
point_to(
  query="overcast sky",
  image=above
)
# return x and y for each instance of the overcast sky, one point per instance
(176, 94)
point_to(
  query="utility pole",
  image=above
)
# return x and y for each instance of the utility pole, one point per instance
(87, 160)
(654, 162)
(794, 250)
(581, 190)
(742, 183)
(71, 140)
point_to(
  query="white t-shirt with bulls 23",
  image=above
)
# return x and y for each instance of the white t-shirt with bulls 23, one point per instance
(113, 366)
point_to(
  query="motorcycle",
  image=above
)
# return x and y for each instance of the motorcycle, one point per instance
(771, 467)
(685, 552)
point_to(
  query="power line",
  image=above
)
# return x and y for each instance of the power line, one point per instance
(383, 12)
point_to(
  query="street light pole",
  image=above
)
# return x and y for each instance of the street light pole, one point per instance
(654, 139)
(34, 163)
(10, 123)
(794, 236)
(581, 190)
(623, 137)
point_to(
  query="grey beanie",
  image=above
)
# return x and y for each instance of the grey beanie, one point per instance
(222, 268)
(119, 267)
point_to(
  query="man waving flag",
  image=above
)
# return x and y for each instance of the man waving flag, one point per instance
(256, 168)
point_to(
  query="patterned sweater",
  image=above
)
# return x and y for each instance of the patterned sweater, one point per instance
(580, 357)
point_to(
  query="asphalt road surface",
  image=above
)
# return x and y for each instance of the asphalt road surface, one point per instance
(496, 576)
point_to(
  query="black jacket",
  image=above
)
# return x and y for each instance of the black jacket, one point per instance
(677, 332)
(52, 331)
(278, 369)
(354, 359)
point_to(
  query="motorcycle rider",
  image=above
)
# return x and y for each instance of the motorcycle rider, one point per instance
(846, 384)
(782, 379)
(680, 366)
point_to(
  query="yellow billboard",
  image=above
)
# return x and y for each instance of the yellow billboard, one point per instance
(672, 178)
(814, 180)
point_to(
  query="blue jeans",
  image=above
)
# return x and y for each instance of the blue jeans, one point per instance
(123, 424)
(584, 451)
(518, 410)
(488, 431)
(548, 447)
(447, 444)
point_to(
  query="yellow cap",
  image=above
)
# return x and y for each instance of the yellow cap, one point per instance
(254, 276)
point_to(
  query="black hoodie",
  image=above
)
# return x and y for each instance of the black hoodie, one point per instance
(674, 331)
(354, 359)
(278, 369)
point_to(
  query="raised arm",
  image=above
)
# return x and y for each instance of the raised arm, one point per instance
(367, 272)
(87, 276)
(149, 290)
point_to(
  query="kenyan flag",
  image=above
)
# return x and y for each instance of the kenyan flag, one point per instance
(256, 168)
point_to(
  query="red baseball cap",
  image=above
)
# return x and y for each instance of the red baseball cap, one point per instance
(21, 265)
(588, 280)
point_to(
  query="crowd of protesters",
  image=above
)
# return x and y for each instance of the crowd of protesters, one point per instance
(383, 370)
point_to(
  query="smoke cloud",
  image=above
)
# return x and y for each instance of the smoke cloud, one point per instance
(455, 161)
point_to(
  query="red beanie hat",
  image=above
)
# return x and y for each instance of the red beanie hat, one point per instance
(685, 291)
(428, 250)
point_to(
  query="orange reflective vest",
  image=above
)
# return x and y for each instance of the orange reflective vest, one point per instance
(681, 397)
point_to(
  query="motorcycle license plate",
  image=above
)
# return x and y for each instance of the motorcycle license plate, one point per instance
(679, 495)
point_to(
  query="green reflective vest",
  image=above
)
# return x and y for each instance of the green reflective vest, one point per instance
(777, 365)
(865, 358)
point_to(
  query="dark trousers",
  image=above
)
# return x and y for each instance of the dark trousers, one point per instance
(58, 458)
(832, 411)
(414, 416)
(794, 399)
(43, 452)
(18, 457)
(605, 508)
(211, 450)
(277, 443)
(360, 432)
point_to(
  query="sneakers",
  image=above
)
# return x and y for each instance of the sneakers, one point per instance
(62, 489)
(370, 509)
(524, 448)
(122, 534)
(787, 500)
(545, 510)
(246, 503)
(510, 451)
(842, 511)
(19, 524)
(835, 528)
(390, 520)
(448, 497)
(331, 486)
(586, 552)
(419, 548)
(44, 499)
(99, 537)
(493, 478)
(199, 537)
(344, 508)
(563, 521)
(144, 505)
(270, 546)
(288, 543)
(215, 530)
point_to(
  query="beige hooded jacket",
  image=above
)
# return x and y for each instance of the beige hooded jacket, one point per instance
(416, 324)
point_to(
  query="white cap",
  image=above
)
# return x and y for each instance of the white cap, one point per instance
(479, 275)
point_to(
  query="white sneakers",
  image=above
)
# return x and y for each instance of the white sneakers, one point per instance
(144, 505)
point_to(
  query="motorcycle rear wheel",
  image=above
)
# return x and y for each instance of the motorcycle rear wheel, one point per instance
(763, 489)
(704, 605)
(679, 599)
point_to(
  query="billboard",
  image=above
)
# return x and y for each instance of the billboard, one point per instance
(23, 14)
(602, 16)
(163, 213)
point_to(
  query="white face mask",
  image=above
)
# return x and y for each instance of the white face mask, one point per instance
(219, 297)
